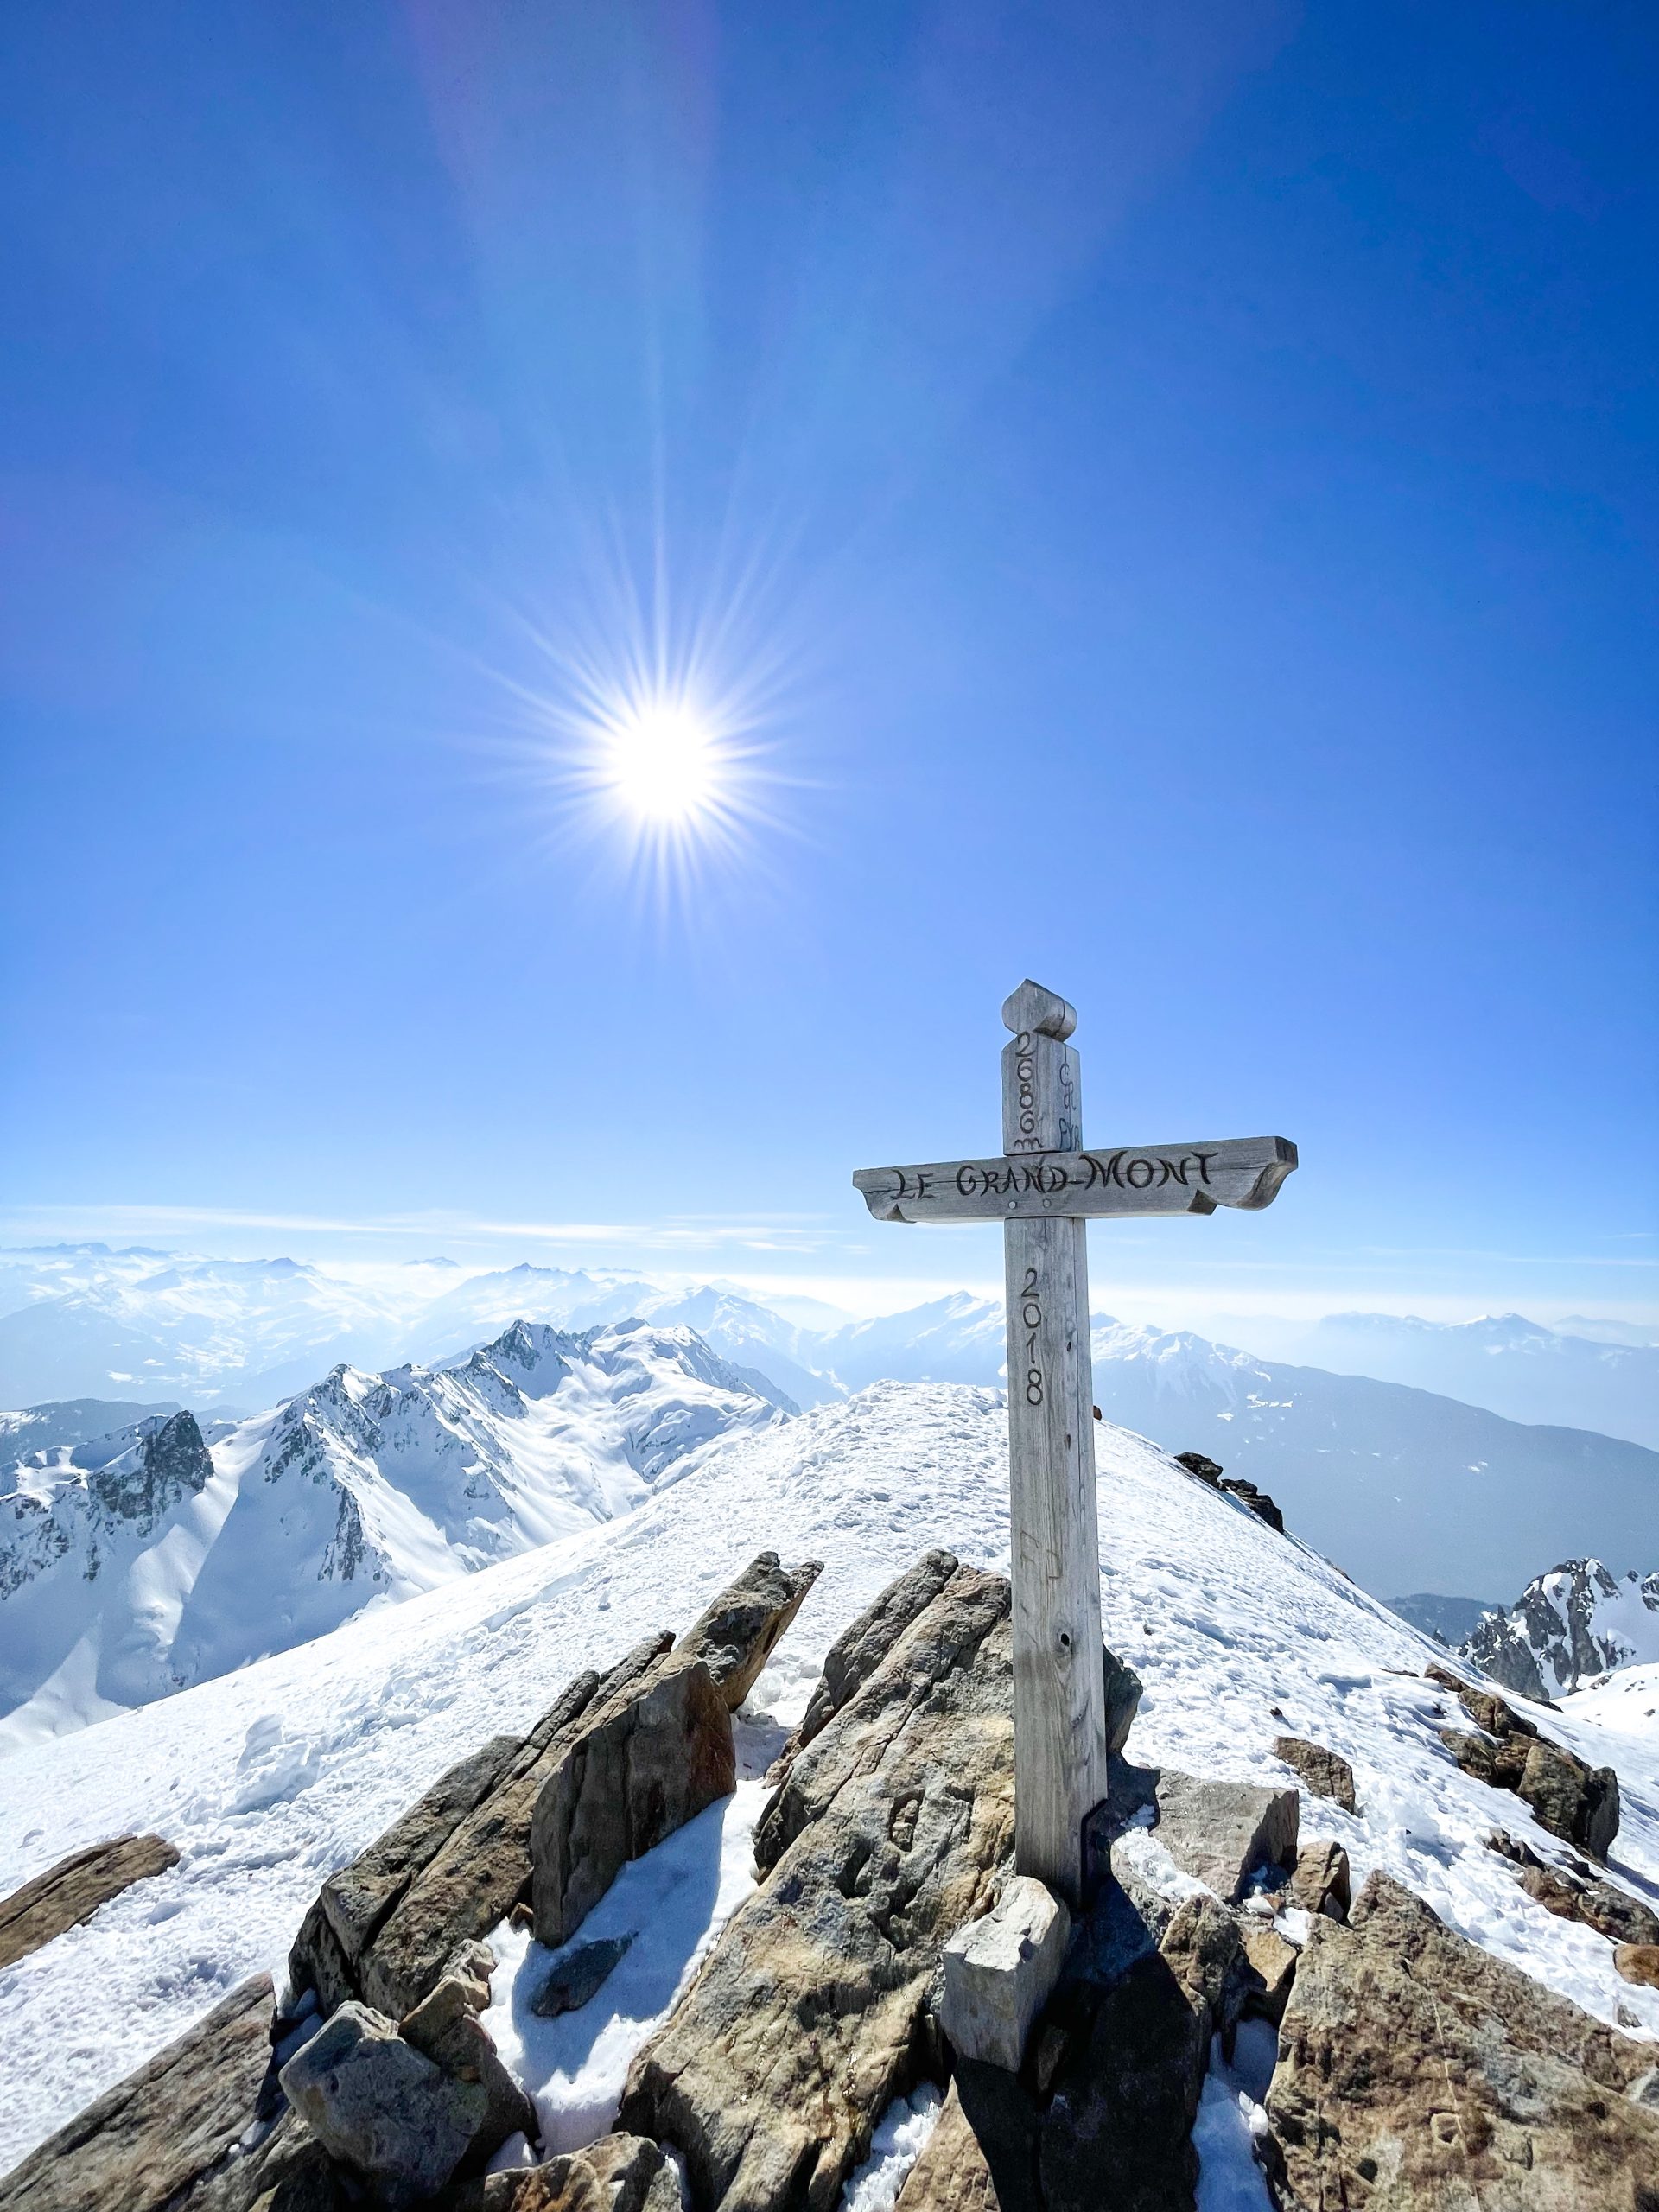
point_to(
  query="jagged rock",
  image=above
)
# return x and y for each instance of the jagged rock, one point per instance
(577, 1979)
(1579, 1803)
(74, 1889)
(385, 1929)
(809, 2014)
(1565, 1628)
(620, 2173)
(1638, 1963)
(1509, 1846)
(386, 2111)
(473, 1965)
(1199, 1463)
(1258, 1500)
(1000, 1970)
(1274, 1960)
(952, 2173)
(1418, 2074)
(736, 1635)
(1123, 1689)
(642, 1763)
(865, 1643)
(1221, 1832)
(1321, 1882)
(446, 2029)
(160, 2141)
(1326, 1773)
(482, 1867)
(1610, 1910)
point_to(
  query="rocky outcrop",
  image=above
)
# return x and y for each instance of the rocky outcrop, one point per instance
(1579, 1803)
(1211, 1472)
(865, 1643)
(195, 2129)
(1223, 1833)
(811, 2014)
(445, 2028)
(642, 1761)
(1327, 1774)
(384, 1929)
(1638, 1963)
(737, 1634)
(1418, 2074)
(380, 2107)
(74, 1889)
(1599, 1904)
(1576, 1622)
(620, 2173)
(1117, 2129)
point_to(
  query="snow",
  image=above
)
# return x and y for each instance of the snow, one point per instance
(673, 1903)
(269, 1778)
(363, 1488)
(898, 2139)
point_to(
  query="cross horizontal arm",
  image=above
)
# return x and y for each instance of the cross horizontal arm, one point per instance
(1124, 1180)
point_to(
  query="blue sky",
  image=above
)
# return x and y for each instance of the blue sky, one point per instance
(1164, 497)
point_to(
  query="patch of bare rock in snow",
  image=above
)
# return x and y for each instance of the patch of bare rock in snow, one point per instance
(535, 1887)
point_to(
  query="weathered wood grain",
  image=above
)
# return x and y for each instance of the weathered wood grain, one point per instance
(1162, 1178)
(1059, 1706)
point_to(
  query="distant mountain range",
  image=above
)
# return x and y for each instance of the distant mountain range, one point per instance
(171, 1550)
(1569, 1627)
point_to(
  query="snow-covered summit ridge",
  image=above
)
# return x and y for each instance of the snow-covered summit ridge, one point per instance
(122, 1585)
(1568, 1628)
(272, 1777)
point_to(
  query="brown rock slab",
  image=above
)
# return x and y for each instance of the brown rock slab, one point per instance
(1326, 1773)
(810, 2015)
(642, 1761)
(952, 2174)
(1418, 2074)
(865, 1643)
(1221, 1832)
(620, 2173)
(162, 2137)
(1274, 1960)
(1322, 1881)
(1610, 1910)
(736, 1635)
(1639, 1963)
(481, 1868)
(1577, 1802)
(72, 1891)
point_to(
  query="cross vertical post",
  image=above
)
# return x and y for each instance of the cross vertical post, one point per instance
(1059, 1699)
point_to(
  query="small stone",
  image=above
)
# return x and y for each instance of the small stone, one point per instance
(445, 2028)
(999, 1971)
(1276, 1961)
(1123, 1692)
(1639, 1963)
(1322, 1883)
(384, 2109)
(578, 1978)
(1326, 1773)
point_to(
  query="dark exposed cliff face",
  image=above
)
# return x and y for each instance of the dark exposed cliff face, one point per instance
(1576, 1622)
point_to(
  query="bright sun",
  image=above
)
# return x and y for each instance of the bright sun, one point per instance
(663, 763)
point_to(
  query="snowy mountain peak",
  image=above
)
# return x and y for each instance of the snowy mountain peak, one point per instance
(149, 1561)
(1568, 1626)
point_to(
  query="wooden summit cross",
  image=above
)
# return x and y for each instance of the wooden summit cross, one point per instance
(1045, 1187)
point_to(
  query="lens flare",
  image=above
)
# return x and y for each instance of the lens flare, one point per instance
(663, 762)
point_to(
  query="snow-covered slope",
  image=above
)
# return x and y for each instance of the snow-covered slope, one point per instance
(121, 1586)
(1568, 1626)
(272, 1777)
(1406, 1489)
(955, 1339)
